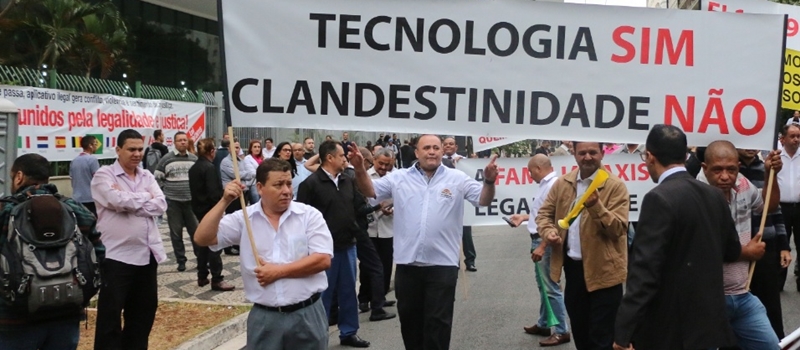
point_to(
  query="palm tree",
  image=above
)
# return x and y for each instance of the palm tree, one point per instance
(73, 35)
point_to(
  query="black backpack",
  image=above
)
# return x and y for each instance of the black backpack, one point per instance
(48, 268)
(151, 158)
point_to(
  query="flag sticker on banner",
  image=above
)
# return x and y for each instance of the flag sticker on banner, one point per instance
(98, 142)
(111, 142)
(76, 141)
(42, 141)
(23, 142)
(61, 142)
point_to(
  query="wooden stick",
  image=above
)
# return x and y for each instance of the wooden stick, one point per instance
(235, 157)
(763, 222)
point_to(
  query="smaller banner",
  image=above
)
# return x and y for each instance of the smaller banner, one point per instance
(52, 122)
(515, 189)
(482, 143)
(790, 97)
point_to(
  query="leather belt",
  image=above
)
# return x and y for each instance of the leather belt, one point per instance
(292, 308)
(789, 204)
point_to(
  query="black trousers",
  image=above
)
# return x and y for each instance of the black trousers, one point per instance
(592, 314)
(425, 298)
(371, 274)
(208, 261)
(385, 248)
(469, 246)
(766, 288)
(133, 289)
(791, 218)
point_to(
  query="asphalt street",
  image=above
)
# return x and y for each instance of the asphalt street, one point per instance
(494, 303)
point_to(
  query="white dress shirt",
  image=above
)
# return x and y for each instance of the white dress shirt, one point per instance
(789, 178)
(429, 213)
(544, 188)
(574, 236)
(301, 232)
(383, 226)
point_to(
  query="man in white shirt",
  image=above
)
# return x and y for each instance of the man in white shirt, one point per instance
(449, 160)
(789, 183)
(269, 148)
(426, 246)
(795, 119)
(295, 248)
(541, 171)
(381, 229)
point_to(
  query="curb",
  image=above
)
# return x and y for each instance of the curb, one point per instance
(218, 335)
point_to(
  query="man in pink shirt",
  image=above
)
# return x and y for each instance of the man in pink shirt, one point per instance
(128, 202)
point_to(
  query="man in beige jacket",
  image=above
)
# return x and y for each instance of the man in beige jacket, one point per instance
(593, 251)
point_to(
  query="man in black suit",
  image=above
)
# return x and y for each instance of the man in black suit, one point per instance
(674, 297)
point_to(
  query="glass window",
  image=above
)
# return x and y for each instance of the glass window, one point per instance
(168, 16)
(149, 12)
(184, 20)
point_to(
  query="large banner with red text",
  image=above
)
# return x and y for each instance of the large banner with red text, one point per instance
(52, 122)
(515, 189)
(507, 68)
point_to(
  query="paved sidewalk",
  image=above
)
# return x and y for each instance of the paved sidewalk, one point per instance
(183, 285)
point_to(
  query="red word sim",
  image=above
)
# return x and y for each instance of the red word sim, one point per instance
(660, 42)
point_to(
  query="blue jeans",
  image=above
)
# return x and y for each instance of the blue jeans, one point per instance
(749, 321)
(553, 292)
(342, 279)
(53, 335)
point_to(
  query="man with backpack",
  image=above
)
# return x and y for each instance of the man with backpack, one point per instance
(152, 155)
(49, 229)
(128, 199)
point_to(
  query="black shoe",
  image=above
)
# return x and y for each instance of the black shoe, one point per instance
(380, 315)
(181, 267)
(363, 307)
(354, 341)
(389, 303)
(232, 251)
(472, 268)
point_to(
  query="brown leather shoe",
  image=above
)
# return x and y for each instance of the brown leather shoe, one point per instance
(202, 282)
(222, 286)
(555, 339)
(536, 330)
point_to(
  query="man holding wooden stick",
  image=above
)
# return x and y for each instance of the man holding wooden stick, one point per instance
(294, 248)
(746, 313)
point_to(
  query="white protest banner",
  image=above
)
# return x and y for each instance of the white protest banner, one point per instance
(527, 69)
(482, 143)
(52, 122)
(515, 189)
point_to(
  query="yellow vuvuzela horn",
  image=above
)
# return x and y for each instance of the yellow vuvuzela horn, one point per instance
(601, 177)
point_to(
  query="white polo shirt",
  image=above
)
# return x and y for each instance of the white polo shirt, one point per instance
(429, 213)
(301, 232)
(383, 226)
(544, 188)
(789, 178)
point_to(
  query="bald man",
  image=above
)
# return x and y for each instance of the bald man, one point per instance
(541, 171)
(746, 313)
(429, 209)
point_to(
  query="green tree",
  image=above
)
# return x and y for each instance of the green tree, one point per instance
(70, 35)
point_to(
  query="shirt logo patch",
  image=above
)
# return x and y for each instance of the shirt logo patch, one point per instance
(743, 185)
(446, 194)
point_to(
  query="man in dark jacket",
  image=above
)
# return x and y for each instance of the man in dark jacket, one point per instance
(674, 295)
(206, 189)
(335, 197)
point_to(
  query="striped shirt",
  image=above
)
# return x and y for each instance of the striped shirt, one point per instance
(744, 201)
(774, 228)
(172, 174)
